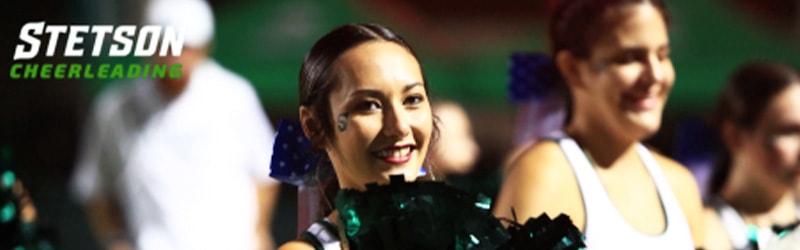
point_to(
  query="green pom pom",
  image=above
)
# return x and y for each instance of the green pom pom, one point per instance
(8, 179)
(8, 212)
(43, 245)
(417, 215)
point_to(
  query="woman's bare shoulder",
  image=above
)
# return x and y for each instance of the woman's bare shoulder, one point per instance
(296, 245)
(538, 158)
(540, 181)
(677, 174)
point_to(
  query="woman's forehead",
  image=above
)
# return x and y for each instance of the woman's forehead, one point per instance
(635, 26)
(782, 110)
(377, 64)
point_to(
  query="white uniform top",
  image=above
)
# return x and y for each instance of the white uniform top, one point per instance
(185, 172)
(605, 227)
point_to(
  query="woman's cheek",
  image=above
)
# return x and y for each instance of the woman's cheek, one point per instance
(422, 120)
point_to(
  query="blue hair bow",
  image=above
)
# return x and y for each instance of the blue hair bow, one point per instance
(293, 160)
(532, 76)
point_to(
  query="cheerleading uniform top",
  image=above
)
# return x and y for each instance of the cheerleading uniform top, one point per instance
(605, 227)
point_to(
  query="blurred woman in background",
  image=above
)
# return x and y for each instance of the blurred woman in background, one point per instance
(613, 56)
(758, 122)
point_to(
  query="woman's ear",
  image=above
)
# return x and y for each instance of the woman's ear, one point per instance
(308, 122)
(567, 64)
(730, 136)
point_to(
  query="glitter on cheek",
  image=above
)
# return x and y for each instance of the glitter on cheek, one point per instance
(341, 122)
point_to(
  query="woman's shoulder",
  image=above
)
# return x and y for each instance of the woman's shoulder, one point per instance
(676, 173)
(543, 165)
(680, 179)
(296, 245)
(540, 180)
(538, 157)
(715, 235)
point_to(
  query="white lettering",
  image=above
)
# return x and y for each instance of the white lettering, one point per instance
(54, 31)
(25, 35)
(152, 31)
(100, 32)
(172, 41)
(74, 39)
(126, 42)
(118, 41)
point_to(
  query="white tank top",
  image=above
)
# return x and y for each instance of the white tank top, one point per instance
(605, 227)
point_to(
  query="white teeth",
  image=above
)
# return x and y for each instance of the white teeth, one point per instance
(394, 152)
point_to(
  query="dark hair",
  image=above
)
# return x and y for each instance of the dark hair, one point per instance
(743, 101)
(576, 25)
(318, 79)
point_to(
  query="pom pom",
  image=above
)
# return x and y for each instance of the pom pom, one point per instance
(417, 215)
(543, 233)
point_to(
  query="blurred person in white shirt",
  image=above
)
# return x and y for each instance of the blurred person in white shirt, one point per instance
(179, 163)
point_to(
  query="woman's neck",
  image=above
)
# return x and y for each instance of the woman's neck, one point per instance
(603, 146)
(782, 213)
(759, 204)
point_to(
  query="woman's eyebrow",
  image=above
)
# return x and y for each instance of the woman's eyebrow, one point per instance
(411, 86)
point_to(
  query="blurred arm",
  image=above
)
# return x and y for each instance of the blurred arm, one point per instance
(108, 223)
(267, 200)
(90, 180)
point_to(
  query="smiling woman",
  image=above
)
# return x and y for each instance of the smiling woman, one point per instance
(613, 58)
(375, 88)
(389, 121)
(364, 105)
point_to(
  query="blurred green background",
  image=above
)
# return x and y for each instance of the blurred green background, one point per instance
(266, 40)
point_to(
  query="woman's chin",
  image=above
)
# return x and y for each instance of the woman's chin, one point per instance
(644, 125)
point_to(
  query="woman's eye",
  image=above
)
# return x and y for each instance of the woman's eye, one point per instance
(369, 106)
(664, 55)
(412, 100)
(625, 58)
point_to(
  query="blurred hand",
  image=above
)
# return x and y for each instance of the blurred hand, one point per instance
(265, 241)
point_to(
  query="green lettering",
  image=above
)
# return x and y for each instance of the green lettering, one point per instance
(102, 72)
(74, 71)
(87, 72)
(14, 68)
(45, 73)
(159, 70)
(60, 68)
(134, 70)
(31, 70)
(175, 71)
(146, 71)
(118, 71)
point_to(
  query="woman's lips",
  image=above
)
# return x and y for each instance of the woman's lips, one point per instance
(641, 102)
(395, 155)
